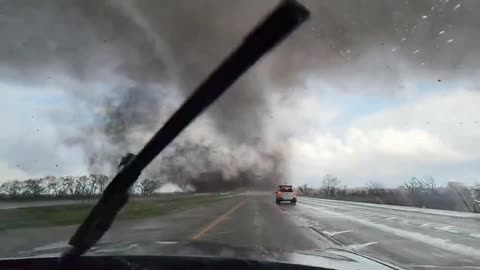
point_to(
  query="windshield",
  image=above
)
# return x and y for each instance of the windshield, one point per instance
(359, 131)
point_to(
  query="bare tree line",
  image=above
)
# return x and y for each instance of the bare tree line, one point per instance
(415, 191)
(68, 187)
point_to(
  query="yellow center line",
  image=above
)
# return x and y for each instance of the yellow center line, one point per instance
(218, 220)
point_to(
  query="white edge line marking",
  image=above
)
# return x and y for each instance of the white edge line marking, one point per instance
(360, 246)
(335, 233)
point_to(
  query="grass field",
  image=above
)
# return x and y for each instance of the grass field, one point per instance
(44, 216)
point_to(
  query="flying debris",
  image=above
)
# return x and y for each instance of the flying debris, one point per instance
(416, 51)
(450, 41)
(424, 16)
(441, 32)
(457, 6)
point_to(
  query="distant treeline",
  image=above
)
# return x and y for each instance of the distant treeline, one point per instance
(90, 186)
(414, 192)
(68, 187)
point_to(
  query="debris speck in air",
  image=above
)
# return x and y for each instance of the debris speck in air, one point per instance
(439, 80)
(450, 41)
(424, 16)
(457, 6)
(441, 32)
(394, 50)
(416, 51)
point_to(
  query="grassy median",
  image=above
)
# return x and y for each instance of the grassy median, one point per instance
(45, 216)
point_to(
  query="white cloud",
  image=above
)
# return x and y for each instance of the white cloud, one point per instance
(434, 135)
(30, 145)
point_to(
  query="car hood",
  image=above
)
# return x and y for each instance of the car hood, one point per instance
(334, 258)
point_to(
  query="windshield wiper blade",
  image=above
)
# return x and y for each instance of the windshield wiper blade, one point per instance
(287, 16)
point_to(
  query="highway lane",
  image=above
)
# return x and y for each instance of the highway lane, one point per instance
(262, 223)
(408, 236)
(418, 238)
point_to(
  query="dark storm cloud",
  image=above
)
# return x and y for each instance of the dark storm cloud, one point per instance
(357, 45)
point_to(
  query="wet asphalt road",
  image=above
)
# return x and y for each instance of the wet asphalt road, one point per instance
(246, 220)
(415, 239)
(412, 237)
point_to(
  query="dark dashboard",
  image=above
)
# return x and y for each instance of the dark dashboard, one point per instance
(147, 262)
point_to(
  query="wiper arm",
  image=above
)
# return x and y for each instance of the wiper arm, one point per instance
(281, 22)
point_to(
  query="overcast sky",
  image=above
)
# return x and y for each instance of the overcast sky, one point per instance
(384, 107)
